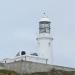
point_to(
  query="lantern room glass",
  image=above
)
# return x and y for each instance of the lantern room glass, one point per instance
(44, 27)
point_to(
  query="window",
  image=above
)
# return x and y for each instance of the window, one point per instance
(44, 28)
(47, 25)
(47, 30)
(49, 43)
(41, 26)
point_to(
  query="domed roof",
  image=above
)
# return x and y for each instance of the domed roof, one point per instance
(45, 19)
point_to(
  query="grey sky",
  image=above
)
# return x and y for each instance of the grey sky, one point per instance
(19, 25)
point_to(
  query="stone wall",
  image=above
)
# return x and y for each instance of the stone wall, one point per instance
(2, 66)
(31, 67)
(27, 67)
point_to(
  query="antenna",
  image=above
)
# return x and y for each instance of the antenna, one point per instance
(44, 13)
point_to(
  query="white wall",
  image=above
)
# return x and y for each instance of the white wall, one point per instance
(44, 45)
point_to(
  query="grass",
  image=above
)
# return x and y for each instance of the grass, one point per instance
(7, 72)
(52, 72)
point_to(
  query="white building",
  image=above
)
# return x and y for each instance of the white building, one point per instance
(44, 39)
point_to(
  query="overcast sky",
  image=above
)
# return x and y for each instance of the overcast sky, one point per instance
(19, 27)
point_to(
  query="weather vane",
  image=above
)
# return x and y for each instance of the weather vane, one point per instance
(44, 13)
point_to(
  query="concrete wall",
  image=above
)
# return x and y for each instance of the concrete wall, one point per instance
(2, 66)
(30, 67)
(27, 67)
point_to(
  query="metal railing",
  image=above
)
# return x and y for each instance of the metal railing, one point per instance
(25, 58)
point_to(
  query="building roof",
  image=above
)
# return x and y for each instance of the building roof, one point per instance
(45, 19)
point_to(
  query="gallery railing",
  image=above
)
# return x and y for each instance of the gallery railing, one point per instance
(26, 58)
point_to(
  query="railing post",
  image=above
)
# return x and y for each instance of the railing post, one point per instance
(46, 61)
(25, 58)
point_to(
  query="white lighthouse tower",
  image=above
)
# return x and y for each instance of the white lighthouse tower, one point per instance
(44, 39)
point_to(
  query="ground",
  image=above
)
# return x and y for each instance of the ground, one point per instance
(52, 72)
(7, 72)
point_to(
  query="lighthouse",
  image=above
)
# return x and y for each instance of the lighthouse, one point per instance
(44, 39)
